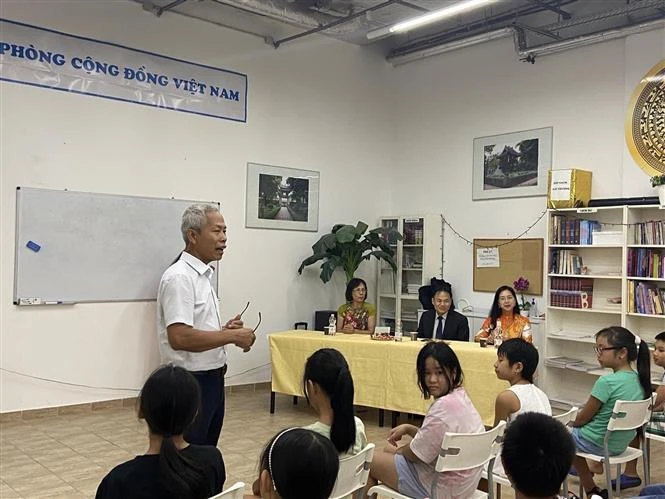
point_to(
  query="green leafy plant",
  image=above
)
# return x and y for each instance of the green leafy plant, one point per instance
(658, 180)
(347, 246)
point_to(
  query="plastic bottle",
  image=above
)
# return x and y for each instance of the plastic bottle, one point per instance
(332, 324)
(534, 308)
(498, 334)
(398, 331)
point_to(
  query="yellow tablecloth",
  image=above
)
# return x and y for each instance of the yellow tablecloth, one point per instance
(384, 372)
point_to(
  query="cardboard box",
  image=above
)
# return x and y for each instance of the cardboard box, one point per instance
(568, 188)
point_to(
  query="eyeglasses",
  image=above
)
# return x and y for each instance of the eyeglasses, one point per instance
(258, 324)
(600, 350)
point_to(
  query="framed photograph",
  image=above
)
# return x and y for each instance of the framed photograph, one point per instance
(512, 164)
(282, 198)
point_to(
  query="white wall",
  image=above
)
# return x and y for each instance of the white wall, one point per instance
(444, 102)
(318, 105)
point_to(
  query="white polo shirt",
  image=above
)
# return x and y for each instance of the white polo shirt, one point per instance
(186, 295)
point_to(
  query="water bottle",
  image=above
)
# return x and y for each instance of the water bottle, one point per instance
(398, 331)
(534, 308)
(498, 334)
(332, 324)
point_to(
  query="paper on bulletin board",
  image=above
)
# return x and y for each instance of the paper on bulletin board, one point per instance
(560, 185)
(487, 257)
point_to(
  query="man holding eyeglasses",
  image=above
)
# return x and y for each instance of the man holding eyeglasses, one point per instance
(189, 328)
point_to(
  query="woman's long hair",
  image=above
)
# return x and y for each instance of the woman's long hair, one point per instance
(620, 337)
(328, 369)
(169, 402)
(495, 311)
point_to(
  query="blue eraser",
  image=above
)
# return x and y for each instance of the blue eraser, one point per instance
(33, 246)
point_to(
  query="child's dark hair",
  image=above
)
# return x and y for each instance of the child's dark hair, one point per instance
(619, 337)
(353, 284)
(537, 454)
(446, 359)
(169, 402)
(328, 369)
(660, 336)
(519, 350)
(302, 464)
(495, 311)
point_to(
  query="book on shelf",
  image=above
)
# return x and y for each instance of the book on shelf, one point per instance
(645, 262)
(561, 362)
(652, 232)
(572, 231)
(646, 298)
(571, 293)
(565, 262)
(571, 335)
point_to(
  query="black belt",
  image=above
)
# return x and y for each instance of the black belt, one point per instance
(220, 371)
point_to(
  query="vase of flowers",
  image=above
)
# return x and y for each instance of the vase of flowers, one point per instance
(659, 183)
(521, 285)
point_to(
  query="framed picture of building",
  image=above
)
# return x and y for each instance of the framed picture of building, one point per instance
(281, 198)
(512, 164)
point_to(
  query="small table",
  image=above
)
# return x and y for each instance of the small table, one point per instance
(384, 372)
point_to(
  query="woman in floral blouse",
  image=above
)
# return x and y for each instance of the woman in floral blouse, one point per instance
(505, 315)
(356, 316)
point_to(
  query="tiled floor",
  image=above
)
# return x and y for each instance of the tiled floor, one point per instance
(67, 456)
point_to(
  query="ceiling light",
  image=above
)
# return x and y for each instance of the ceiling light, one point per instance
(428, 18)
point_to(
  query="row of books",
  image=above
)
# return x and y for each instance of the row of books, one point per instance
(649, 232)
(572, 231)
(571, 293)
(644, 262)
(565, 262)
(646, 298)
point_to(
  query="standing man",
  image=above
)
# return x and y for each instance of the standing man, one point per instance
(189, 328)
(443, 322)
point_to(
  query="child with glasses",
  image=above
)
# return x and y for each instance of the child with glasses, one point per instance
(616, 348)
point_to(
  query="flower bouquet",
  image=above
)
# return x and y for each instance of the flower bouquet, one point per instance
(520, 286)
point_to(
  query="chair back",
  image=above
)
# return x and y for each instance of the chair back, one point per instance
(353, 473)
(568, 417)
(235, 491)
(300, 325)
(630, 414)
(461, 451)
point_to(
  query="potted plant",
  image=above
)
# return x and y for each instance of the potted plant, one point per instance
(521, 285)
(347, 246)
(659, 183)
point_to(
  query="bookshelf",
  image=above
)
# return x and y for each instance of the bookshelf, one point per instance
(418, 257)
(595, 280)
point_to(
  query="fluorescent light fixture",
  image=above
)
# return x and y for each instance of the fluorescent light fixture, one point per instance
(428, 18)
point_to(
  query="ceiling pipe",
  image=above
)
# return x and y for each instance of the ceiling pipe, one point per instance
(529, 54)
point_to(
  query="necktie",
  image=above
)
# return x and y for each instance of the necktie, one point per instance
(439, 329)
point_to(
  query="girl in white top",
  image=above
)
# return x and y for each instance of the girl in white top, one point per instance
(516, 363)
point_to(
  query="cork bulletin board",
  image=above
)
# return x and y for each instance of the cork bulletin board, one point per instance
(522, 257)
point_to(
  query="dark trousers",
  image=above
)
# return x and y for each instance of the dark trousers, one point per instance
(208, 423)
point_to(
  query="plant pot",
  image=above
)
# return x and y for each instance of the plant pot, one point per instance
(524, 313)
(661, 194)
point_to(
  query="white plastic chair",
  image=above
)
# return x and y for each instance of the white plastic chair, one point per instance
(461, 451)
(353, 473)
(567, 419)
(235, 491)
(626, 415)
(647, 443)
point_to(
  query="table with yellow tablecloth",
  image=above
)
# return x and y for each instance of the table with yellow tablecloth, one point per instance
(384, 372)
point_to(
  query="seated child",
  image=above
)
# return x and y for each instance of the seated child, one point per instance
(171, 467)
(516, 363)
(537, 453)
(409, 468)
(298, 464)
(616, 348)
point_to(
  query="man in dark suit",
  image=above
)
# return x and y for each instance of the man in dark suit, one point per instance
(443, 323)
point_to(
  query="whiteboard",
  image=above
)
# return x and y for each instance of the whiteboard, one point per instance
(76, 247)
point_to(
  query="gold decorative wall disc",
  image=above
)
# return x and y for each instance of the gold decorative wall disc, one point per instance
(645, 122)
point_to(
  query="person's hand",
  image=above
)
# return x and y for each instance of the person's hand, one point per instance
(234, 323)
(397, 433)
(390, 449)
(348, 328)
(244, 339)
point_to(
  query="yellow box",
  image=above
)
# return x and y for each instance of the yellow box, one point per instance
(568, 188)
